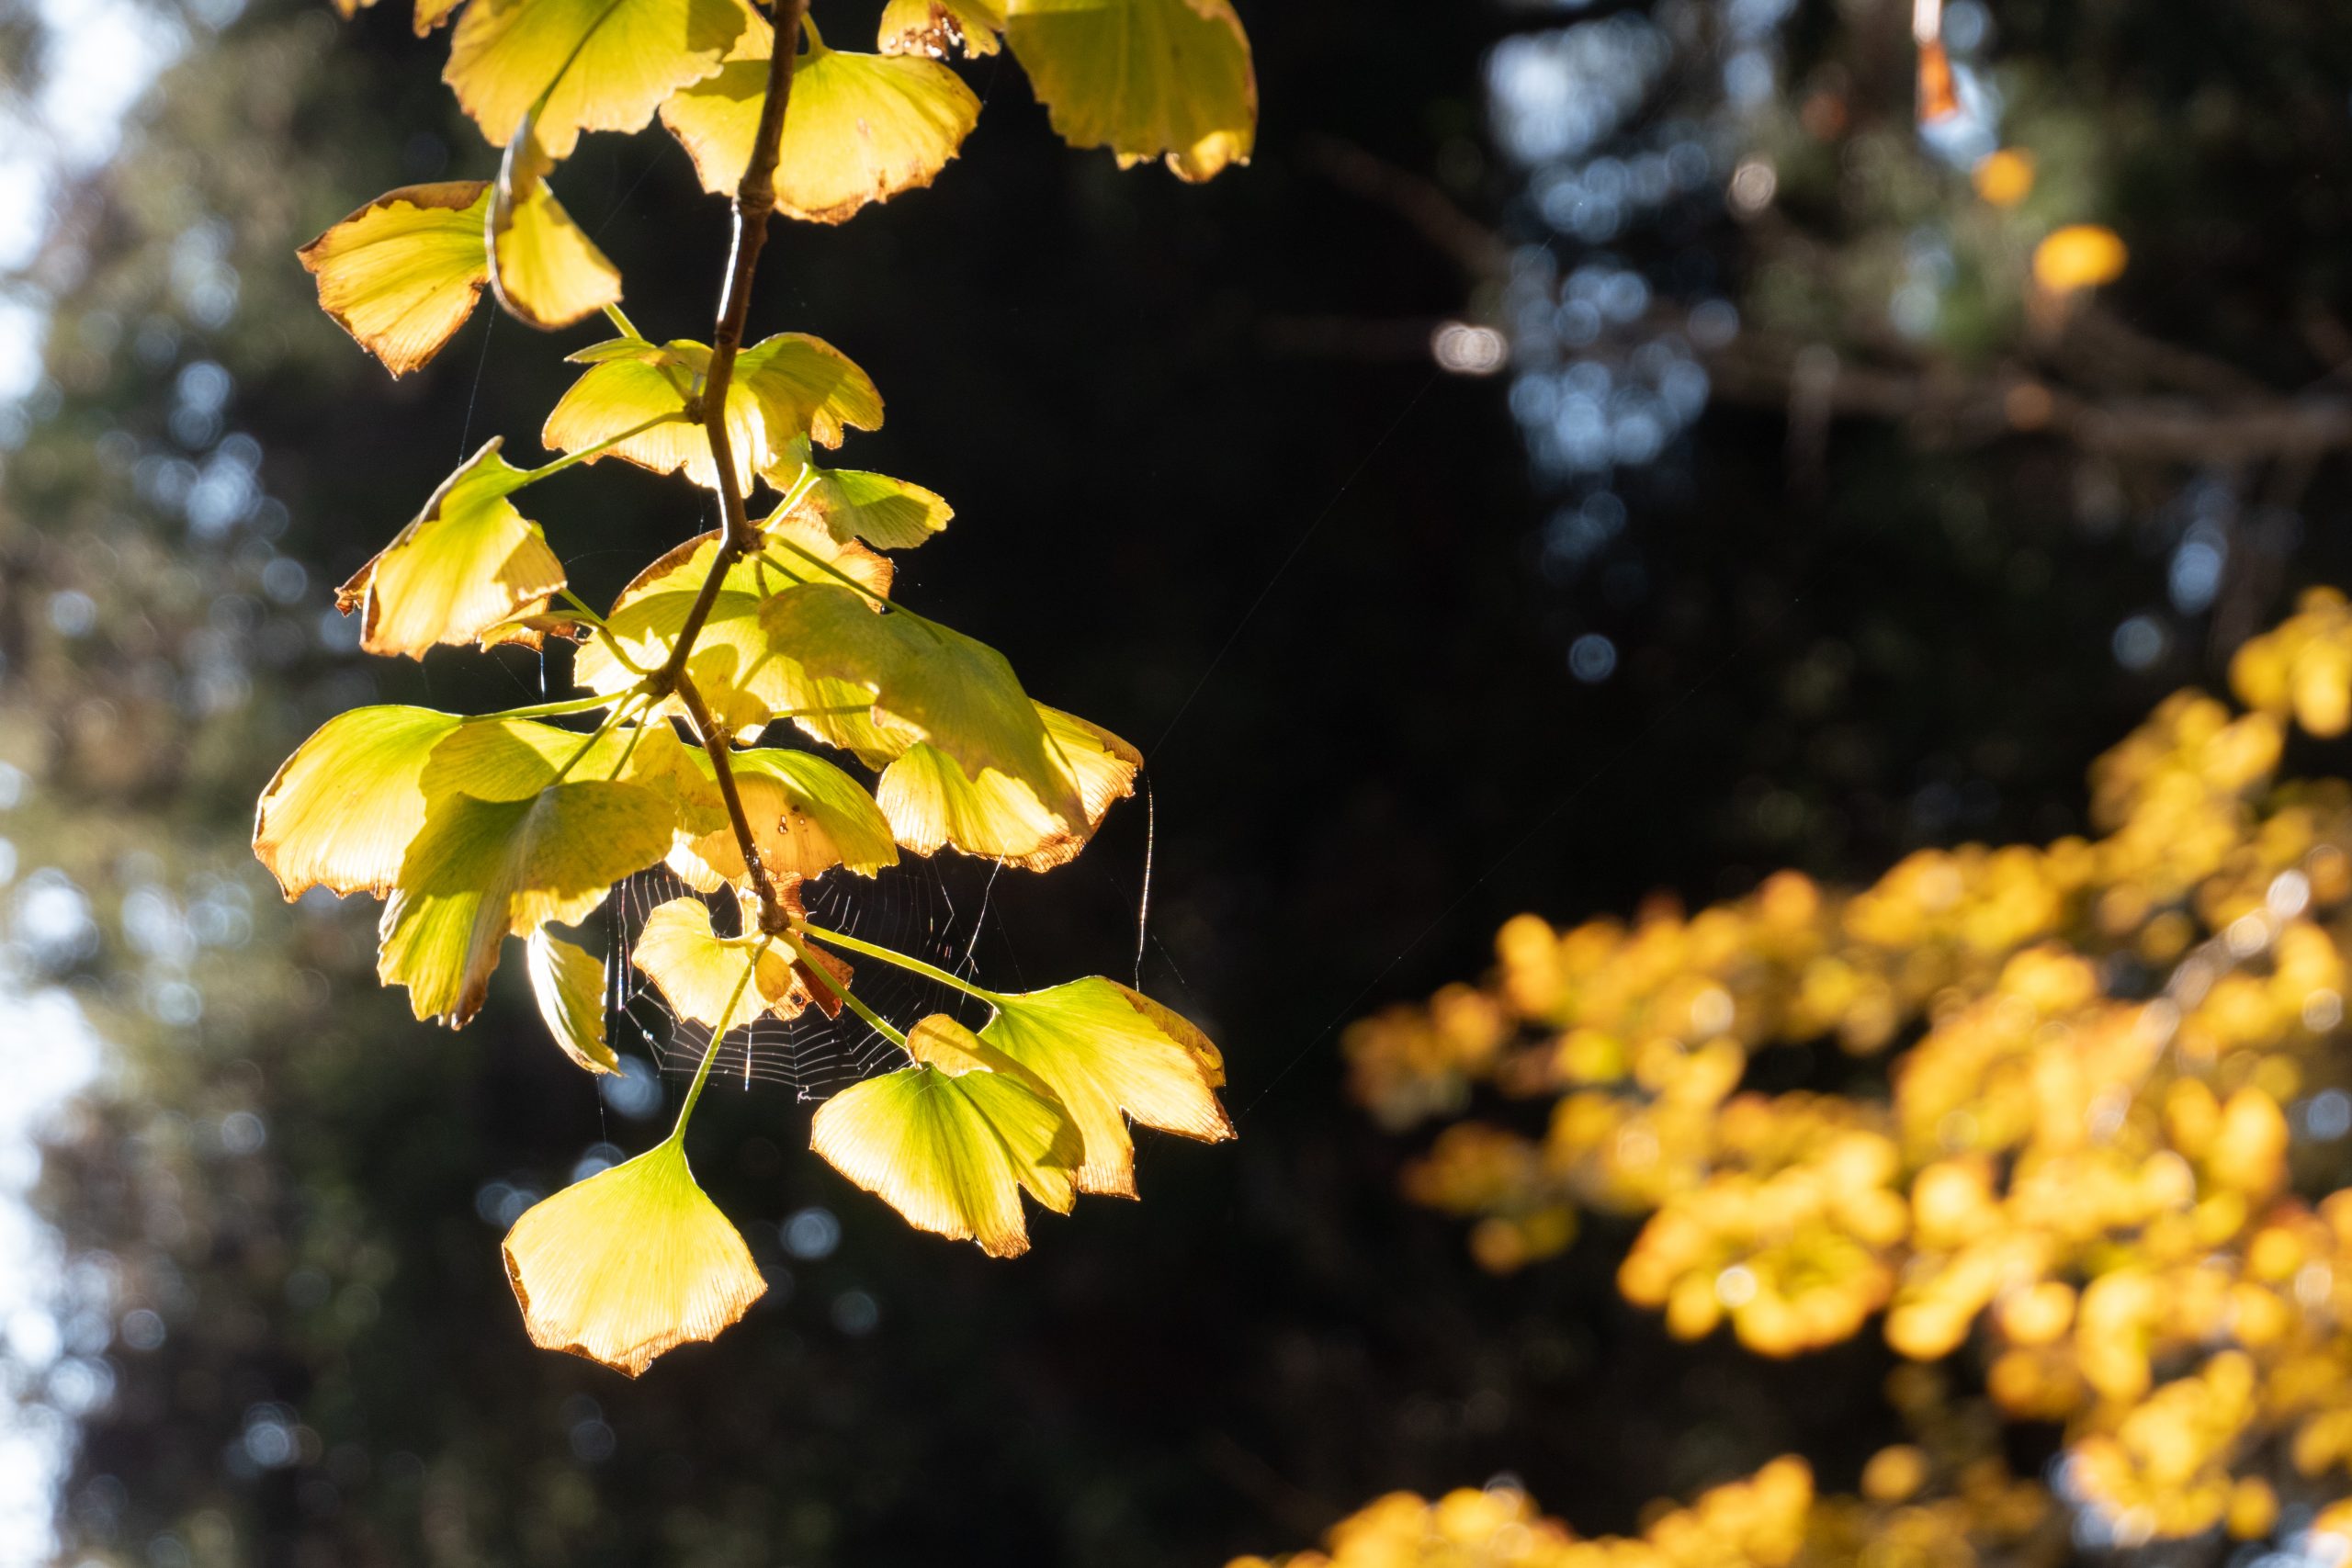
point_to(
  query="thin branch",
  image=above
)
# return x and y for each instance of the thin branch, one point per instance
(716, 742)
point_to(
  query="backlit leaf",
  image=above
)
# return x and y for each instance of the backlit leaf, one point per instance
(484, 870)
(345, 806)
(569, 983)
(403, 272)
(1104, 1050)
(952, 1141)
(545, 271)
(935, 27)
(602, 65)
(927, 684)
(469, 561)
(782, 390)
(806, 816)
(861, 128)
(931, 802)
(630, 1263)
(887, 513)
(712, 979)
(1145, 78)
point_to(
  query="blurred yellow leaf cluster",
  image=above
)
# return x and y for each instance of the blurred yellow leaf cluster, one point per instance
(2085, 1165)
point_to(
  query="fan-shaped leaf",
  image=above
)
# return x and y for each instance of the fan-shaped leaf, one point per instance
(931, 802)
(484, 870)
(713, 980)
(569, 983)
(951, 1142)
(545, 271)
(345, 806)
(1145, 78)
(861, 128)
(469, 561)
(935, 27)
(929, 684)
(1102, 1050)
(587, 64)
(887, 513)
(630, 1263)
(403, 272)
(806, 816)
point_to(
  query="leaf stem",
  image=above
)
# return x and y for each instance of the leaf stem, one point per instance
(890, 955)
(842, 993)
(710, 1052)
(822, 564)
(590, 454)
(602, 729)
(716, 742)
(549, 710)
(621, 322)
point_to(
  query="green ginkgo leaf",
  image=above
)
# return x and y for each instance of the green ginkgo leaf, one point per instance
(861, 128)
(735, 665)
(927, 683)
(783, 390)
(469, 561)
(484, 870)
(806, 816)
(720, 982)
(403, 272)
(545, 271)
(569, 983)
(937, 27)
(584, 64)
(953, 1141)
(887, 513)
(1105, 1050)
(343, 809)
(932, 802)
(1145, 78)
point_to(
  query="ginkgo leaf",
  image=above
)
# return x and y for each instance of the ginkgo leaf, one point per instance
(569, 983)
(484, 870)
(403, 272)
(887, 513)
(735, 666)
(861, 128)
(931, 802)
(806, 816)
(585, 64)
(630, 1263)
(547, 273)
(343, 809)
(469, 561)
(720, 982)
(952, 1141)
(1145, 78)
(927, 684)
(1102, 1050)
(782, 390)
(935, 27)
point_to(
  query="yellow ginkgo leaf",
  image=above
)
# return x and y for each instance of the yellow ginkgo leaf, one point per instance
(887, 513)
(931, 802)
(569, 983)
(783, 390)
(584, 64)
(715, 980)
(547, 273)
(1104, 1050)
(403, 272)
(806, 816)
(467, 562)
(734, 665)
(936, 26)
(484, 870)
(952, 1141)
(630, 1263)
(861, 128)
(927, 684)
(1145, 78)
(343, 809)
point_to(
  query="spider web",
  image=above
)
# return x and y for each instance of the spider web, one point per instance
(917, 908)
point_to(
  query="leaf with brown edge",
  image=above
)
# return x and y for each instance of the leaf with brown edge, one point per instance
(343, 809)
(937, 27)
(721, 983)
(466, 563)
(546, 272)
(953, 1141)
(1145, 78)
(403, 273)
(806, 816)
(568, 982)
(582, 64)
(887, 513)
(932, 803)
(1104, 1051)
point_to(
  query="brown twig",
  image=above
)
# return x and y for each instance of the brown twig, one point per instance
(754, 205)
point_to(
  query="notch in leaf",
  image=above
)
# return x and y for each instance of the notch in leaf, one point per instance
(404, 272)
(582, 64)
(887, 513)
(466, 563)
(932, 802)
